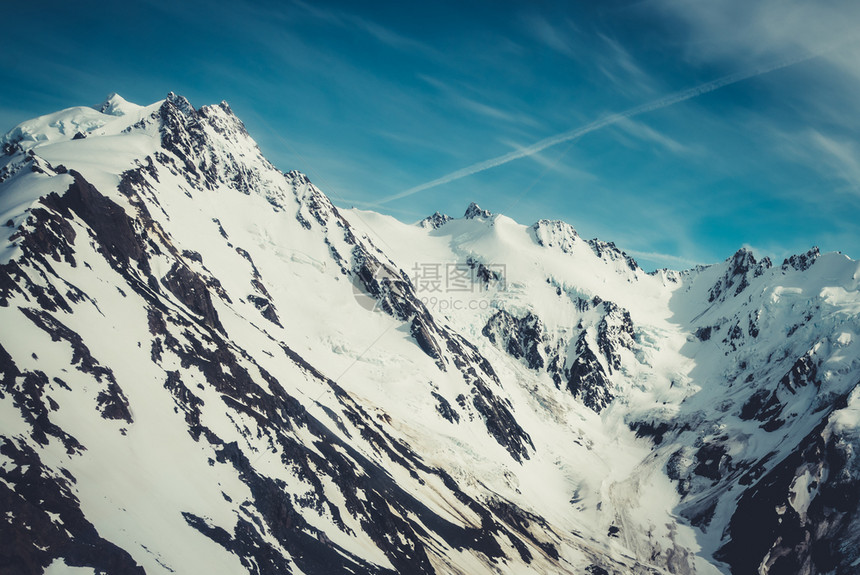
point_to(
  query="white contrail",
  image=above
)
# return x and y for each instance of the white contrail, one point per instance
(663, 102)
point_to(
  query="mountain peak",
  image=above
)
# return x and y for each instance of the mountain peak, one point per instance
(180, 103)
(802, 262)
(116, 105)
(226, 107)
(744, 257)
(435, 221)
(475, 211)
(555, 233)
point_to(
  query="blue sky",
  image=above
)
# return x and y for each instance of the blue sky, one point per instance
(680, 130)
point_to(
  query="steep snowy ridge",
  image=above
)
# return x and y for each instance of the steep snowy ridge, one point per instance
(561, 235)
(206, 366)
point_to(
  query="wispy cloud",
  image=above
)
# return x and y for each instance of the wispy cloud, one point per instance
(347, 20)
(553, 164)
(841, 156)
(556, 36)
(456, 95)
(644, 132)
(600, 123)
(739, 29)
(827, 151)
(619, 66)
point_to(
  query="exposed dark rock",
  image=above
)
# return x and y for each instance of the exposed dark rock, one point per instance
(520, 337)
(48, 234)
(220, 228)
(11, 148)
(475, 211)
(444, 408)
(386, 284)
(677, 467)
(712, 461)
(114, 229)
(501, 424)
(740, 268)
(762, 405)
(656, 431)
(421, 332)
(702, 514)
(267, 309)
(767, 405)
(608, 251)
(113, 404)
(587, 379)
(27, 390)
(704, 333)
(16, 280)
(246, 543)
(801, 262)
(488, 274)
(753, 325)
(614, 332)
(771, 532)
(33, 493)
(111, 400)
(522, 522)
(191, 290)
(192, 256)
(435, 221)
(802, 373)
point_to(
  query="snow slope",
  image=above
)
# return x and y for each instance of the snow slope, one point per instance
(208, 367)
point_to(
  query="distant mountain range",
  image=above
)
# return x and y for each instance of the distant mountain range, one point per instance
(207, 367)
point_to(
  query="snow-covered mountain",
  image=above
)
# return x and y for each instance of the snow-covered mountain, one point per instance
(209, 368)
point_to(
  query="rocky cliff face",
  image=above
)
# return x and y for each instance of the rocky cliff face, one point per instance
(206, 366)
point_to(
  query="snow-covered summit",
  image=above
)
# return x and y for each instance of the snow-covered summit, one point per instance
(113, 116)
(116, 105)
(555, 234)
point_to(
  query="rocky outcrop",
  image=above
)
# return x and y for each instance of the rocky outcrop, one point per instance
(574, 363)
(741, 269)
(587, 380)
(555, 234)
(802, 515)
(614, 333)
(768, 405)
(801, 262)
(519, 337)
(475, 211)
(191, 290)
(435, 221)
(48, 522)
(610, 252)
